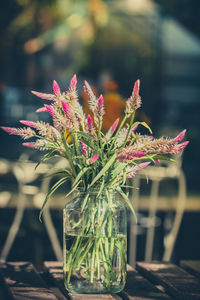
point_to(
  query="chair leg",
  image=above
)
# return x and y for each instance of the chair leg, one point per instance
(170, 239)
(52, 234)
(151, 219)
(49, 223)
(133, 225)
(14, 227)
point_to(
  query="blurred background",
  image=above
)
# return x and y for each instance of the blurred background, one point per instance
(109, 43)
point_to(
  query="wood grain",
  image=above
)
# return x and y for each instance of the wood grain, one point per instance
(192, 266)
(176, 281)
(23, 282)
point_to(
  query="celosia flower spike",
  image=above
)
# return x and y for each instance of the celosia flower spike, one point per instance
(56, 88)
(136, 88)
(25, 133)
(29, 123)
(73, 83)
(134, 102)
(180, 136)
(93, 100)
(135, 127)
(66, 108)
(178, 148)
(41, 109)
(39, 144)
(50, 110)
(89, 127)
(100, 101)
(132, 170)
(43, 95)
(89, 121)
(112, 129)
(128, 153)
(83, 148)
(94, 158)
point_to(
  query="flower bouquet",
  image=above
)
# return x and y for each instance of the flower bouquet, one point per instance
(99, 166)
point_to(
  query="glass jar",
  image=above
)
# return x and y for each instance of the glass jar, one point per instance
(95, 243)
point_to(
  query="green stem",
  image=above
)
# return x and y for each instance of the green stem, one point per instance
(129, 130)
(116, 134)
(69, 156)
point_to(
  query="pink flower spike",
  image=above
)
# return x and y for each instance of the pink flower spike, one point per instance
(66, 108)
(136, 88)
(141, 166)
(178, 148)
(56, 88)
(29, 145)
(42, 109)
(94, 158)
(83, 145)
(114, 125)
(50, 110)
(83, 151)
(138, 153)
(135, 127)
(100, 101)
(180, 136)
(89, 121)
(43, 95)
(29, 123)
(158, 161)
(9, 130)
(73, 83)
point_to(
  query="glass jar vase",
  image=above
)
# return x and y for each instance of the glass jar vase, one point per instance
(95, 243)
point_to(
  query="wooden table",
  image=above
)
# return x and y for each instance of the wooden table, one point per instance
(160, 281)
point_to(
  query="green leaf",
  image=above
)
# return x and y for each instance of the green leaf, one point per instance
(143, 124)
(52, 190)
(127, 201)
(105, 168)
(80, 174)
(101, 188)
(118, 169)
(46, 157)
(85, 135)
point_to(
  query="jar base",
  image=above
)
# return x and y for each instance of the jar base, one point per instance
(92, 288)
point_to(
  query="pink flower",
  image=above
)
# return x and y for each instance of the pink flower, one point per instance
(128, 153)
(10, 130)
(180, 136)
(83, 149)
(56, 88)
(50, 110)
(29, 145)
(94, 158)
(135, 127)
(89, 121)
(25, 133)
(178, 148)
(29, 123)
(136, 88)
(114, 125)
(83, 145)
(42, 109)
(73, 83)
(100, 101)
(43, 95)
(131, 171)
(134, 102)
(141, 166)
(66, 108)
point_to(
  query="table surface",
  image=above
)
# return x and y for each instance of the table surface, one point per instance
(148, 281)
